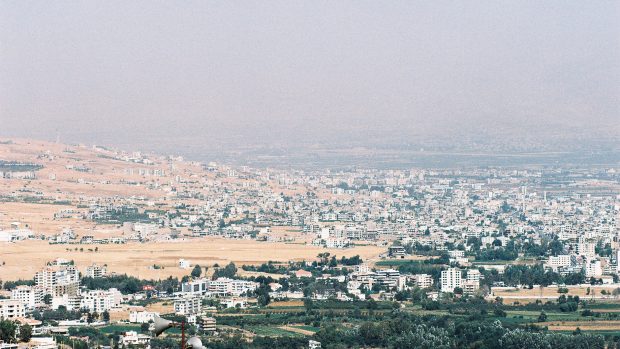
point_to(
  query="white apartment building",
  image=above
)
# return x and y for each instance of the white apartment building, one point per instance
(218, 287)
(58, 280)
(423, 280)
(337, 243)
(226, 286)
(471, 284)
(69, 302)
(593, 268)
(187, 305)
(560, 261)
(473, 275)
(450, 279)
(11, 309)
(96, 271)
(142, 317)
(30, 296)
(144, 230)
(388, 278)
(586, 249)
(100, 301)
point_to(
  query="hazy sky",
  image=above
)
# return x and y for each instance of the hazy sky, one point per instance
(209, 72)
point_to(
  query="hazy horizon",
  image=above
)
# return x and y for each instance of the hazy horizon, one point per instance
(210, 77)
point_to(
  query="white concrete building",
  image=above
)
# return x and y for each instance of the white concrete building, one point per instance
(58, 280)
(473, 275)
(96, 271)
(560, 261)
(187, 305)
(11, 309)
(450, 279)
(423, 280)
(218, 287)
(133, 339)
(184, 264)
(30, 296)
(142, 317)
(100, 301)
(593, 269)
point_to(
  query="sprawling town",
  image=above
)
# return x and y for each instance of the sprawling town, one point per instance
(487, 249)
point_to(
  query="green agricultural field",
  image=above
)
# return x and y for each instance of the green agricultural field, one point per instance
(308, 328)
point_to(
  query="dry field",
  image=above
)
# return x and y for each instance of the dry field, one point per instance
(292, 303)
(40, 218)
(297, 330)
(593, 325)
(548, 293)
(21, 260)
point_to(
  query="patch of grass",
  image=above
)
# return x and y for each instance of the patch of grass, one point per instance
(605, 306)
(308, 328)
(396, 262)
(119, 328)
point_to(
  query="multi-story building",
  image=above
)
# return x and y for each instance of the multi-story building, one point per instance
(423, 280)
(586, 249)
(388, 278)
(218, 287)
(593, 268)
(450, 279)
(58, 280)
(208, 324)
(11, 309)
(96, 271)
(142, 317)
(100, 301)
(559, 261)
(473, 275)
(187, 305)
(195, 287)
(30, 296)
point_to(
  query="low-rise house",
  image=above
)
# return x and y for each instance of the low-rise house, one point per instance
(134, 339)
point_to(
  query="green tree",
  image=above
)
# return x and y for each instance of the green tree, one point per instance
(47, 299)
(308, 304)
(7, 331)
(542, 317)
(197, 271)
(144, 328)
(25, 333)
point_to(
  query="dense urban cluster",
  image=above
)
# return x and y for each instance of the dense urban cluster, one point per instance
(465, 253)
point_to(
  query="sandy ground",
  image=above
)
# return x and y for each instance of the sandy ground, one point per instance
(548, 293)
(21, 260)
(297, 330)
